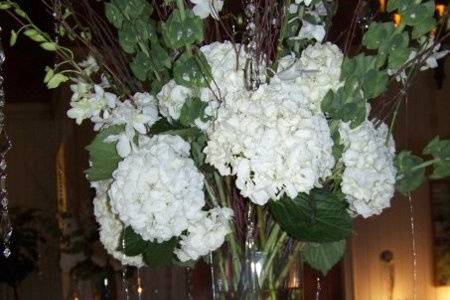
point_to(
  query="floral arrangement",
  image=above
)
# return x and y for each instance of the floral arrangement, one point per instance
(231, 128)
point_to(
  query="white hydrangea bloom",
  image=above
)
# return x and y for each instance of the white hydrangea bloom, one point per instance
(228, 78)
(271, 142)
(368, 180)
(205, 234)
(111, 227)
(316, 72)
(157, 190)
(204, 8)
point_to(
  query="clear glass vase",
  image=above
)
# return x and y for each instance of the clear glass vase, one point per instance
(263, 276)
(269, 270)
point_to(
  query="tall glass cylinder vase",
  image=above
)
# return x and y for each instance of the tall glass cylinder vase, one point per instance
(272, 273)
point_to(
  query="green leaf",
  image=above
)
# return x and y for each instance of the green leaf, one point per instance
(13, 39)
(114, 15)
(34, 35)
(319, 217)
(408, 178)
(440, 150)
(401, 5)
(192, 71)
(5, 5)
(160, 254)
(128, 38)
(374, 83)
(133, 242)
(423, 28)
(323, 257)
(20, 12)
(162, 126)
(377, 33)
(192, 109)
(49, 46)
(398, 58)
(160, 57)
(56, 80)
(141, 66)
(49, 74)
(178, 33)
(103, 156)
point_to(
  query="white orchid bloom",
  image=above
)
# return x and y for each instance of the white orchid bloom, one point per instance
(204, 8)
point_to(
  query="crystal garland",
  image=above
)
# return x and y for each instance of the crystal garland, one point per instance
(5, 144)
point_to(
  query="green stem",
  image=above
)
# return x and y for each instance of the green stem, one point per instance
(293, 257)
(425, 164)
(277, 245)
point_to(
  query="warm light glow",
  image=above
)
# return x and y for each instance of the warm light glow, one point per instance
(140, 290)
(440, 9)
(382, 5)
(397, 19)
(443, 293)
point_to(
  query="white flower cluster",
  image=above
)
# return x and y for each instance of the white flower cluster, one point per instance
(228, 77)
(158, 191)
(316, 72)
(271, 141)
(368, 180)
(104, 109)
(205, 234)
(111, 228)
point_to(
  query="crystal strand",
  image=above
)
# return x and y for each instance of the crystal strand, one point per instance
(414, 249)
(318, 288)
(140, 290)
(252, 64)
(57, 16)
(124, 269)
(5, 222)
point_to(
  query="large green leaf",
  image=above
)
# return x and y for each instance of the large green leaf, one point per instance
(178, 33)
(377, 33)
(192, 109)
(409, 179)
(440, 150)
(319, 217)
(133, 242)
(192, 71)
(160, 254)
(113, 15)
(102, 155)
(323, 257)
(128, 38)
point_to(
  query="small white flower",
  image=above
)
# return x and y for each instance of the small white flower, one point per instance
(311, 31)
(204, 8)
(89, 65)
(306, 2)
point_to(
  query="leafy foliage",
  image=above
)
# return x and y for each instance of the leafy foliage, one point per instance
(440, 150)
(319, 217)
(192, 71)
(323, 257)
(410, 175)
(103, 156)
(154, 254)
(179, 30)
